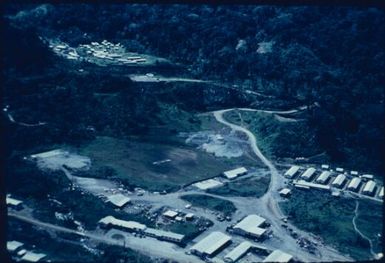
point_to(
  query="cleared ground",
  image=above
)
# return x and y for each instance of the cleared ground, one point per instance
(250, 186)
(331, 218)
(211, 203)
(133, 162)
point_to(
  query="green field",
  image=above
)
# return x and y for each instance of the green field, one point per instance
(276, 138)
(133, 162)
(251, 186)
(331, 218)
(212, 203)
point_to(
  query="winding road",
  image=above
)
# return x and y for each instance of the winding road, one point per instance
(269, 202)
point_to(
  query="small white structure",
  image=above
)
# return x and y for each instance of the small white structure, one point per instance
(285, 192)
(170, 214)
(13, 246)
(231, 174)
(33, 257)
(367, 176)
(339, 181)
(118, 200)
(339, 170)
(211, 244)
(278, 256)
(128, 225)
(324, 177)
(354, 184)
(369, 188)
(207, 184)
(238, 252)
(164, 235)
(355, 173)
(250, 226)
(189, 216)
(381, 193)
(179, 219)
(14, 203)
(307, 175)
(325, 166)
(292, 171)
(48, 154)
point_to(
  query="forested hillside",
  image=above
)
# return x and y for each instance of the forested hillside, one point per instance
(330, 55)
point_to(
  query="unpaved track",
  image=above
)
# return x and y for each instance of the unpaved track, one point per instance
(359, 232)
(269, 203)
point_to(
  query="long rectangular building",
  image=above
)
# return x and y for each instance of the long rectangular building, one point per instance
(250, 226)
(211, 244)
(354, 184)
(307, 175)
(369, 188)
(238, 252)
(292, 171)
(231, 174)
(278, 256)
(128, 225)
(323, 178)
(164, 235)
(339, 181)
(306, 185)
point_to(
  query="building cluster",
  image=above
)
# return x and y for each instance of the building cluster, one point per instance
(329, 179)
(16, 250)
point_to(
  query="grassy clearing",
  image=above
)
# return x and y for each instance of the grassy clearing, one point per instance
(331, 219)
(133, 162)
(211, 203)
(251, 186)
(275, 138)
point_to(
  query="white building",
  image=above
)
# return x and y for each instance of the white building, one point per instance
(189, 216)
(238, 252)
(285, 192)
(33, 257)
(231, 174)
(14, 203)
(170, 214)
(354, 184)
(211, 244)
(292, 171)
(250, 226)
(278, 256)
(118, 200)
(207, 184)
(369, 188)
(324, 177)
(325, 166)
(381, 193)
(48, 154)
(339, 170)
(339, 181)
(355, 173)
(307, 175)
(307, 185)
(13, 246)
(367, 176)
(132, 226)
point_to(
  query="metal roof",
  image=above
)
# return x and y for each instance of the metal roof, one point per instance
(207, 184)
(33, 257)
(235, 172)
(292, 171)
(354, 183)
(170, 213)
(323, 177)
(239, 251)
(340, 179)
(161, 233)
(211, 243)
(250, 224)
(13, 201)
(304, 184)
(126, 224)
(369, 186)
(278, 256)
(48, 154)
(118, 199)
(308, 173)
(285, 191)
(381, 193)
(13, 245)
